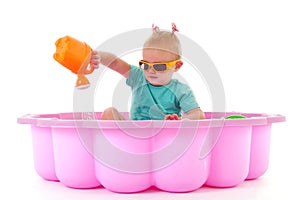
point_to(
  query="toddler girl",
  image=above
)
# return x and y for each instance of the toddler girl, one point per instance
(155, 95)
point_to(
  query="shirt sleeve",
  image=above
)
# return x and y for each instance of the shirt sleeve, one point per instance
(187, 99)
(135, 76)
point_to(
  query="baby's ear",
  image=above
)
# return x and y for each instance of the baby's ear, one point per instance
(178, 65)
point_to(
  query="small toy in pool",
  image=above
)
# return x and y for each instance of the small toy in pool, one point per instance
(235, 117)
(74, 55)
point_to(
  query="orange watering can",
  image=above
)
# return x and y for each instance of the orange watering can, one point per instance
(74, 55)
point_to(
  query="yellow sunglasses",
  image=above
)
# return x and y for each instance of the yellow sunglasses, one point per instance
(159, 66)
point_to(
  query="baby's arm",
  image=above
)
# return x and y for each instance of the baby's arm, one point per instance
(111, 61)
(194, 114)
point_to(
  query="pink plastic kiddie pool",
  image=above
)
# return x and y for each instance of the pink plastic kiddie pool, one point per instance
(81, 151)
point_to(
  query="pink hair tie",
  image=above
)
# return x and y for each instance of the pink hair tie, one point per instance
(155, 28)
(174, 28)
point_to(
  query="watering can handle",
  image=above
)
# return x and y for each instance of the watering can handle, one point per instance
(89, 70)
(86, 68)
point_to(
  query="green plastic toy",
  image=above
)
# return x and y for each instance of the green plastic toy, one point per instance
(235, 117)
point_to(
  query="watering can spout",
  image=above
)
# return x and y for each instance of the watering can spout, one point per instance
(82, 82)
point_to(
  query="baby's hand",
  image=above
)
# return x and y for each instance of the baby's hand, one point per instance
(172, 117)
(95, 59)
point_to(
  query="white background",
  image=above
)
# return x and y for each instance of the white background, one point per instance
(255, 46)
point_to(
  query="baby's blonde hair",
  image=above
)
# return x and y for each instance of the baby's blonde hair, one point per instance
(164, 40)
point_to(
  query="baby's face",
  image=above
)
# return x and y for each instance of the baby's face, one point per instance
(158, 78)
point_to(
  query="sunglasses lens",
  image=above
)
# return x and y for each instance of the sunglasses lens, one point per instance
(144, 66)
(160, 67)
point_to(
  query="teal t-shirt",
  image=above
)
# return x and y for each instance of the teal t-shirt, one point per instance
(154, 102)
